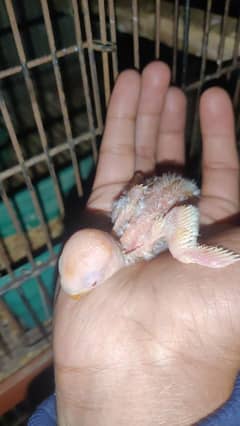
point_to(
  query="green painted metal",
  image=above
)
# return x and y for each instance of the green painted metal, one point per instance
(27, 214)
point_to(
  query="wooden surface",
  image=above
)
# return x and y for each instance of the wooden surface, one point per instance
(14, 389)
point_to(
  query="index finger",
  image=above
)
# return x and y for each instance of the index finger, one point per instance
(117, 153)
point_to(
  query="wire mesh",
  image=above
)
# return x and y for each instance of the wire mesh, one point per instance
(54, 90)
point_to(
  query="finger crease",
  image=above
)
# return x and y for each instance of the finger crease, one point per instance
(221, 166)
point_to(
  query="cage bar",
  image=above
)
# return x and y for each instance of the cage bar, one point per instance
(105, 59)
(83, 69)
(187, 16)
(52, 152)
(16, 282)
(195, 127)
(33, 98)
(6, 259)
(92, 64)
(95, 60)
(61, 93)
(23, 235)
(112, 22)
(157, 28)
(135, 23)
(237, 43)
(30, 186)
(222, 39)
(42, 60)
(175, 39)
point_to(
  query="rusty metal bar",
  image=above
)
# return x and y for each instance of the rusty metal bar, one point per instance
(225, 70)
(16, 223)
(187, 16)
(105, 58)
(92, 63)
(20, 231)
(33, 314)
(17, 281)
(175, 39)
(61, 94)
(135, 24)
(33, 99)
(202, 74)
(236, 43)
(6, 259)
(33, 63)
(83, 69)
(4, 347)
(6, 174)
(236, 96)
(223, 35)
(157, 28)
(10, 328)
(113, 34)
(24, 170)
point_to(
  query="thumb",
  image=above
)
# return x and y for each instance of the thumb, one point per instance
(89, 257)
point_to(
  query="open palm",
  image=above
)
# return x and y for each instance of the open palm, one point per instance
(168, 327)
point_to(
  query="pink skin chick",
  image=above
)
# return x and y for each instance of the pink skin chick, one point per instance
(158, 214)
(150, 216)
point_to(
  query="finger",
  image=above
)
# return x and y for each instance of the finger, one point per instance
(89, 257)
(116, 158)
(220, 165)
(171, 144)
(154, 85)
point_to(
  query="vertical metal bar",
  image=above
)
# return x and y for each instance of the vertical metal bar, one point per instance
(135, 21)
(222, 38)
(93, 70)
(4, 346)
(236, 96)
(175, 40)
(236, 47)
(16, 222)
(61, 94)
(33, 99)
(187, 14)
(105, 59)
(5, 258)
(31, 311)
(236, 104)
(18, 152)
(46, 301)
(237, 42)
(157, 28)
(11, 328)
(81, 58)
(113, 34)
(19, 230)
(206, 31)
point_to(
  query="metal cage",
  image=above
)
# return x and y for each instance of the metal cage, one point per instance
(59, 60)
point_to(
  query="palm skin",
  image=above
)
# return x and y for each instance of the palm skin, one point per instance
(158, 343)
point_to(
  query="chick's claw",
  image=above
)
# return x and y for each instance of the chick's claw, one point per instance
(182, 226)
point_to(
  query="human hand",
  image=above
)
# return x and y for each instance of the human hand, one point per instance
(158, 342)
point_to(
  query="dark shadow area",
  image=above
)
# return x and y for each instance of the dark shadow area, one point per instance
(40, 388)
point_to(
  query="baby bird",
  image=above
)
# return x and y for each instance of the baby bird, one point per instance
(159, 213)
(150, 216)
